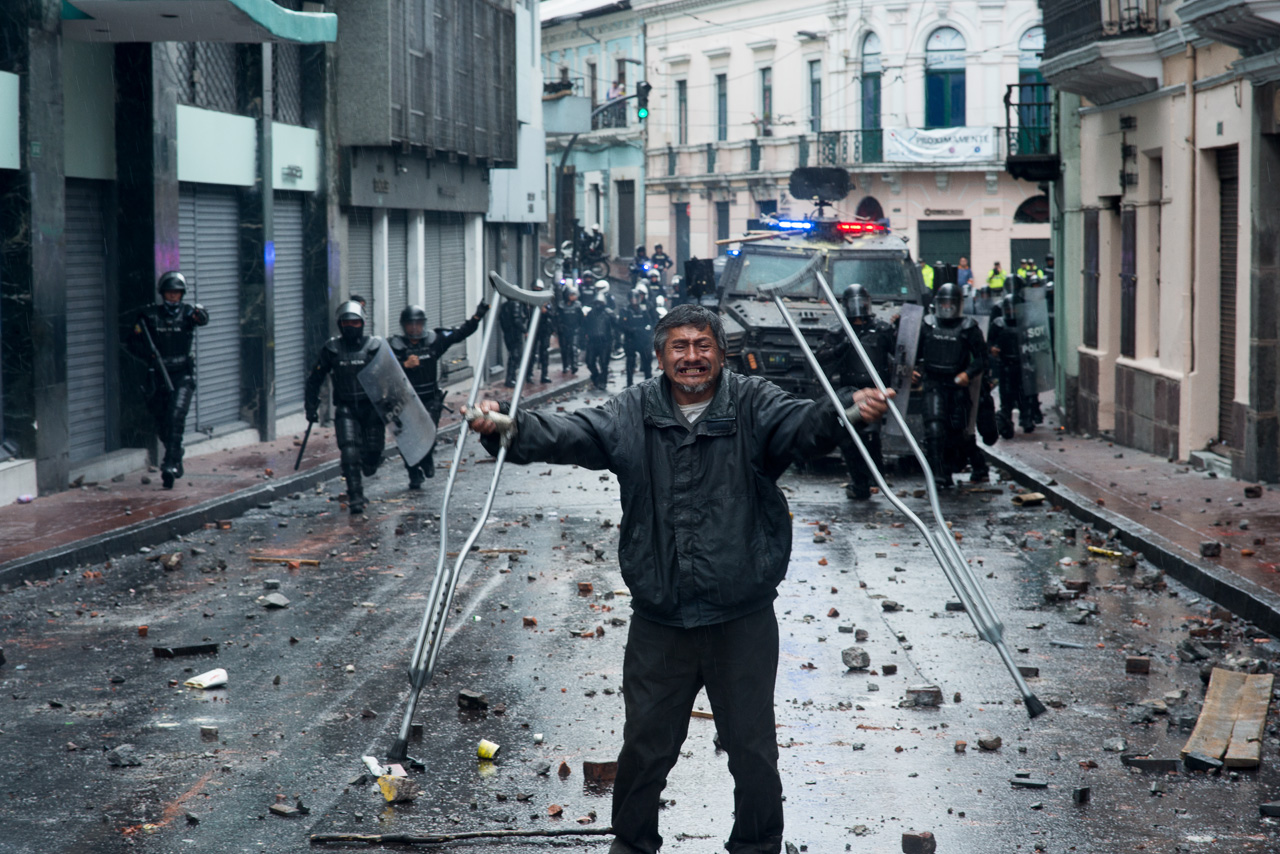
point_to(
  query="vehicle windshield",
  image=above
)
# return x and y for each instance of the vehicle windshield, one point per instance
(765, 269)
(886, 277)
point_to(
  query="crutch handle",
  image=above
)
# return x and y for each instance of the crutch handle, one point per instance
(512, 292)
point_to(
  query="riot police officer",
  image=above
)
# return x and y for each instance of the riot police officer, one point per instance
(598, 328)
(951, 355)
(361, 434)
(418, 351)
(568, 323)
(513, 317)
(542, 345)
(637, 322)
(841, 363)
(164, 336)
(1005, 346)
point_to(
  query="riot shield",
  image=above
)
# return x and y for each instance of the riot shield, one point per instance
(904, 362)
(1034, 342)
(398, 405)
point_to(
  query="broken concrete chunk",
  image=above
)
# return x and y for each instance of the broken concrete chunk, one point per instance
(955, 606)
(1137, 664)
(192, 649)
(1197, 761)
(397, 790)
(1029, 672)
(1271, 809)
(469, 699)
(861, 635)
(1081, 794)
(1147, 763)
(888, 669)
(270, 584)
(987, 741)
(123, 756)
(599, 773)
(924, 695)
(1115, 745)
(1028, 783)
(208, 733)
(1208, 548)
(284, 810)
(890, 605)
(855, 658)
(919, 843)
(275, 600)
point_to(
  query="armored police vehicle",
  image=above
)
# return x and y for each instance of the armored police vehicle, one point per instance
(855, 251)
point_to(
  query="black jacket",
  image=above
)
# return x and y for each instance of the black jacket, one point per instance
(429, 349)
(345, 360)
(706, 532)
(841, 361)
(174, 335)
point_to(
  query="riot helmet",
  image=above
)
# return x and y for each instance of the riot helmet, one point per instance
(640, 253)
(570, 292)
(948, 304)
(1008, 311)
(857, 302)
(172, 281)
(601, 299)
(595, 227)
(589, 279)
(413, 315)
(642, 289)
(351, 321)
(538, 285)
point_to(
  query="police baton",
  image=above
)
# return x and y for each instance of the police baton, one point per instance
(303, 449)
(168, 383)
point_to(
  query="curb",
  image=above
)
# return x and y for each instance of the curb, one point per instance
(1246, 599)
(102, 547)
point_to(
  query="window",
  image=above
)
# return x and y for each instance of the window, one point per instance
(564, 74)
(621, 74)
(815, 95)
(722, 107)
(872, 138)
(869, 208)
(1034, 210)
(767, 207)
(722, 226)
(944, 79)
(1035, 116)
(766, 99)
(682, 112)
(593, 84)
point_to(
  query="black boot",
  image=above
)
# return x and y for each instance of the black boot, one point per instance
(416, 477)
(428, 465)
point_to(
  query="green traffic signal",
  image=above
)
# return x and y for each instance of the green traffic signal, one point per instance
(642, 113)
(642, 100)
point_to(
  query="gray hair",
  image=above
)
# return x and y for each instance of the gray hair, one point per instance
(690, 314)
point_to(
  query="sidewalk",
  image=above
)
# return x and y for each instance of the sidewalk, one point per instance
(96, 521)
(1163, 510)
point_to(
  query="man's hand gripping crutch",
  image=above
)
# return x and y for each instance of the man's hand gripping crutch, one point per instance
(440, 599)
(940, 541)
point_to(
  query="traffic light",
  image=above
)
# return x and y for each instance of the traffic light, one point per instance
(642, 100)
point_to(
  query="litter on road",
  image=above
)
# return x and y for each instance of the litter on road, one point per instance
(215, 678)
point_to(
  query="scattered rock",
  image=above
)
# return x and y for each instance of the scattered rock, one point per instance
(565, 770)
(919, 843)
(599, 773)
(1271, 809)
(208, 733)
(1029, 672)
(123, 756)
(1137, 664)
(270, 584)
(987, 741)
(1196, 761)
(1081, 794)
(855, 658)
(397, 790)
(1115, 745)
(924, 695)
(890, 605)
(275, 601)
(1209, 548)
(889, 669)
(469, 699)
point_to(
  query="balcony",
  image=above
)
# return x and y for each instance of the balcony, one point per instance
(1028, 133)
(1253, 26)
(910, 148)
(1103, 50)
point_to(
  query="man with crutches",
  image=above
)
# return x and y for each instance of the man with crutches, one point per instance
(706, 539)
(838, 357)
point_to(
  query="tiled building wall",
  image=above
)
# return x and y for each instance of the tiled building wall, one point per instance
(1147, 410)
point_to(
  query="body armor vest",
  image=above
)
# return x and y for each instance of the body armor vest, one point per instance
(944, 349)
(174, 336)
(426, 377)
(347, 361)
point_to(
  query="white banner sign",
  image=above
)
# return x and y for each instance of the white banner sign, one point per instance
(945, 145)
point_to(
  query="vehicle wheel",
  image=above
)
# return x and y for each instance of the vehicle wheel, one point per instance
(600, 269)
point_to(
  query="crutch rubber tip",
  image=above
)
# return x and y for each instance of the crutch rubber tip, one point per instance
(399, 751)
(1035, 708)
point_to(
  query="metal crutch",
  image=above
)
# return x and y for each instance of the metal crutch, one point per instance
(440, 599)
(941, 542)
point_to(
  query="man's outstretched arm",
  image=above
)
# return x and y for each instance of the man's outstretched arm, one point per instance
(582, 438)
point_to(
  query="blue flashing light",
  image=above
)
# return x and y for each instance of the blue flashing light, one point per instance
(795, 225)
(733, 252)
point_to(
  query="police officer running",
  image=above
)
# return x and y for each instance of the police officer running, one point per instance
(951, 355)
(599, 340)
(163, 336)
(638, 321)
(361, 434)
(418, 351)
(841, 362)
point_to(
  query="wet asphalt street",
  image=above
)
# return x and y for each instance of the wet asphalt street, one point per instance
(314, 686)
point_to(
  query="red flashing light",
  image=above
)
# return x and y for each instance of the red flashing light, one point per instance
(857, 228)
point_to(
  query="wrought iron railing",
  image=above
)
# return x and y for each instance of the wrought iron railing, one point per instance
(1069, 24)
(1028, 115)
(842, 147)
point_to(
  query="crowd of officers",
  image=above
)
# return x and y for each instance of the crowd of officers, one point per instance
(956, 370)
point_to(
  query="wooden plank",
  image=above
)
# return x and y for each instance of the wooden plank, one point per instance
(1245, 749)
(1218, 717)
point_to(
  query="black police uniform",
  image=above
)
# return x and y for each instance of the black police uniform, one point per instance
(842, 365)
(568, 328)
(542, 344)
(173, 329)
(513, 317)
(1004, 335)
(426, 376)
(946, 349)
(361, 433)
(637, 323)
(598, 330)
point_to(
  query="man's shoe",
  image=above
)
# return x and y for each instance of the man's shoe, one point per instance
(510, 384)
(982, 475)
(166, 477)
(943, 481)
(356, 505)
(858, 491)
(545, 379)
(369, 471)
(416, 477)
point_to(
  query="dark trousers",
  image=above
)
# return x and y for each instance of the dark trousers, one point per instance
(568, 342)
(542, 350)
(515, 347)
(361, 439)
(434, 403)
(639, 351)
(598, 359)
(859, 475)
(946, 417)
(662, 672)
(169, 413)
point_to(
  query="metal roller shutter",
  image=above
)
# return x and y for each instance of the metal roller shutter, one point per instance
(209, 236)
(445, 265)
(360, 259)
(397, 269)
(86, 235)
(290, 339)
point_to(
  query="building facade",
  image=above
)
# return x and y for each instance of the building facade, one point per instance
(1170, 276)
(280, 161)
(908, 96)
(596, 51)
